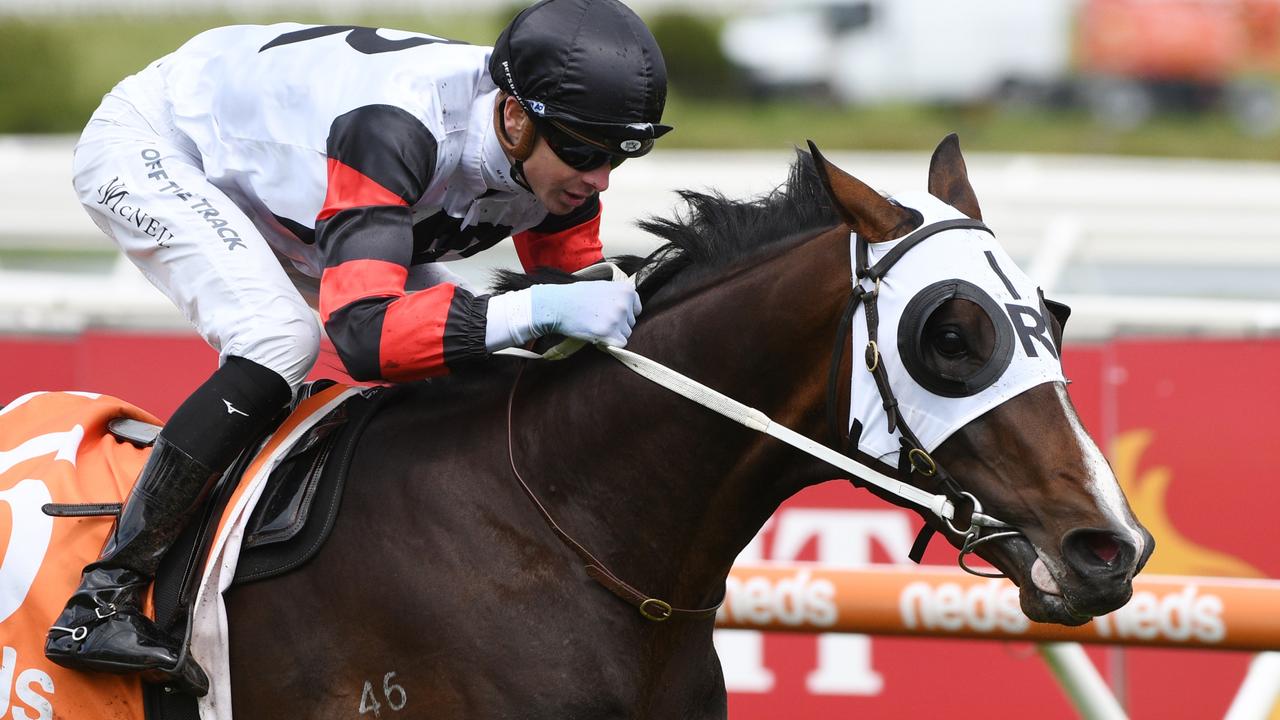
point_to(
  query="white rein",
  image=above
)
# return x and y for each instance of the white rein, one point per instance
(693, 390)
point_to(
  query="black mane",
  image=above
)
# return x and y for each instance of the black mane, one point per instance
(716, 232)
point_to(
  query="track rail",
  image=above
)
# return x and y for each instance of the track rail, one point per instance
(1166, 611)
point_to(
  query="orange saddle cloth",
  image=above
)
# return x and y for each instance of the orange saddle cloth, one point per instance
(55, 447)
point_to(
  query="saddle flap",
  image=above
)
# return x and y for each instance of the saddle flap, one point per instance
(285, 504)
(300, 502)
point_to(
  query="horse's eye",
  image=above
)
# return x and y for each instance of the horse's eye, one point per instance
(949, 343)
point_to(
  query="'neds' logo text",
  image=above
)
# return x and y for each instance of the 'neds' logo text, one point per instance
(993, 606)
(795, 600)
(1177, 616)
(983, 607)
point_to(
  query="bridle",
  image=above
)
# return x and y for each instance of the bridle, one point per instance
(914, 458)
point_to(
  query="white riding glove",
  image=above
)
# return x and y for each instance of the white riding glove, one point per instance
(597, 311)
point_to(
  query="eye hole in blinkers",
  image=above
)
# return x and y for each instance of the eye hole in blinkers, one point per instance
(954, 339)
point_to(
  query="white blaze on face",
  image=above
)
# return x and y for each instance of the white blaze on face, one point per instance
(1101, 482)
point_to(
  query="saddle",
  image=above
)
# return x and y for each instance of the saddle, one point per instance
(289, 524)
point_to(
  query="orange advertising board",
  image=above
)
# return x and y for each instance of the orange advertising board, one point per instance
(1165, 611)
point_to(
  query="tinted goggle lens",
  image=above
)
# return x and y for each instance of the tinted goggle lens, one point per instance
(580, 154)
(584, 157)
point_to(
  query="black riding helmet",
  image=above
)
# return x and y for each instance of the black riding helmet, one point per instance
(588, 67)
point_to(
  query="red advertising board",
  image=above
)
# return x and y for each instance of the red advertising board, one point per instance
(1188, 425)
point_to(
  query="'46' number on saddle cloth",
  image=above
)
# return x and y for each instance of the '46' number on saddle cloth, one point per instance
(55, 447)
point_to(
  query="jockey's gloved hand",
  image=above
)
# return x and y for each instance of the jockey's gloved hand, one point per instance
(597, 311)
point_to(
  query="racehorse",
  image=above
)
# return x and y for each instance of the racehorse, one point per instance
(444, 589)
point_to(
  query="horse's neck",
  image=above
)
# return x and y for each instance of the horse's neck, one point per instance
(670, 493)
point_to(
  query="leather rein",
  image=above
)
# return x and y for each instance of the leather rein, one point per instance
(913, 458)
(651, 608)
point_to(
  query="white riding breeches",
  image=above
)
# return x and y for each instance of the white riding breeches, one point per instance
(143, 183)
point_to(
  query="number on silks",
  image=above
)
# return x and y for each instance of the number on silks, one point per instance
(364, 39)
(394, 695)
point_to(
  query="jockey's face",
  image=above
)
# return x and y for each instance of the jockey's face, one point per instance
(559, 187)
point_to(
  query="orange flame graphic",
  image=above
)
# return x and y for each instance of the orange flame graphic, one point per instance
(1147, 489)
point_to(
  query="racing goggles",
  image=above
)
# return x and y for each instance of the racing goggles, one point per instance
(582, 153)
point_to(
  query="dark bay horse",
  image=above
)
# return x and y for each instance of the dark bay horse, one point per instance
(442, 593)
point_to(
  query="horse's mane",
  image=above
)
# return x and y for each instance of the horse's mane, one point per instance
(715, 233)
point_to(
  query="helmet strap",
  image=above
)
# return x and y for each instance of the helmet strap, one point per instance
(517, 174)
(518, 151)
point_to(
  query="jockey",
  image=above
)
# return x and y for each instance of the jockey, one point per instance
(259, 171)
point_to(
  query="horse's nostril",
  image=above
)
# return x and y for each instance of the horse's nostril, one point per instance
(1094, 553)
(1103, 545)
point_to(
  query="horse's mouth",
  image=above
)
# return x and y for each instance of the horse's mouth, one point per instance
(1044, 592)
(1040, 593)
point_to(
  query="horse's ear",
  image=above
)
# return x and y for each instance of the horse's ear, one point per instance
(949, 179)
(866, 211)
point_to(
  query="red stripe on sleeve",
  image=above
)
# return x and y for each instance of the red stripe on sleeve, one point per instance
(412, 345)
(350, 188)
(568, 250)
(358, 279)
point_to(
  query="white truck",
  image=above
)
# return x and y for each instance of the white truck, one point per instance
(869, 52)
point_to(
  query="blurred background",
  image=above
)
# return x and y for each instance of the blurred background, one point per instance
(1114, 142)
(1126, 152)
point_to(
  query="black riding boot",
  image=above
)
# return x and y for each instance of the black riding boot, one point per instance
(103, 627)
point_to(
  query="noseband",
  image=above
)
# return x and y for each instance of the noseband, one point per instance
(914, 459)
